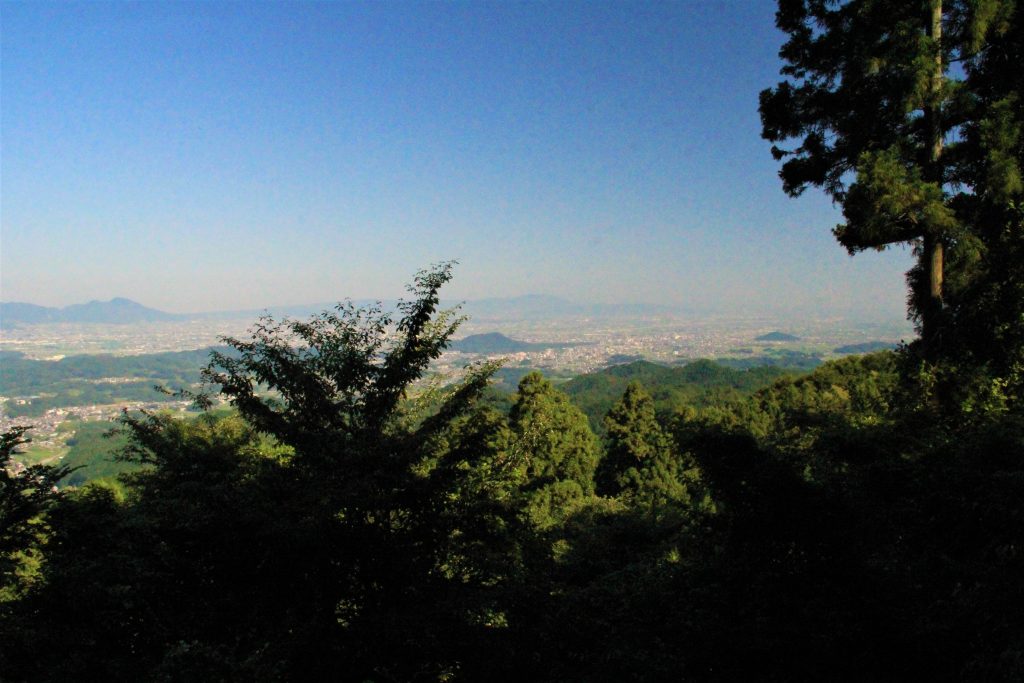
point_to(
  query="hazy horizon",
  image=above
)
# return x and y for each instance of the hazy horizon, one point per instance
(209, 157)
(493, 307)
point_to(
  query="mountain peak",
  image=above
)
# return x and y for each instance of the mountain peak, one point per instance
(118, 310)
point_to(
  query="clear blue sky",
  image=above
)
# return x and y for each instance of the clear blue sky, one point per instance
(203, 156)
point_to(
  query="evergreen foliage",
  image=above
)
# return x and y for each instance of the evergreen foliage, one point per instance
(639, 457)
(699, 383)
(560, 453)
(915, 151)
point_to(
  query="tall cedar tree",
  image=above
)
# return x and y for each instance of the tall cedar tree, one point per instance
(988, 309)
(884, 123)
(559, 451)
(639, 458)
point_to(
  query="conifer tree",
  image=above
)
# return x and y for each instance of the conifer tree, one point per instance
(639, 456)
(882, 122)
(558, 449)
(987, 307)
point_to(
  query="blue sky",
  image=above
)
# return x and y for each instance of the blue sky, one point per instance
(205, 156)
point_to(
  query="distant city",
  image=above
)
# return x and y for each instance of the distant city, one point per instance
(550, 332)
(560, 338)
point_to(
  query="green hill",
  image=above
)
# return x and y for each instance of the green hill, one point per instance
(92, 453)
(699, 383)
(94, 379)
(777, 337)
(778, 357)
(495, 342)
(865, 347)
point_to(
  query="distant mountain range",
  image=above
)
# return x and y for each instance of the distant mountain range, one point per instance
(125, 311)
(116, 311)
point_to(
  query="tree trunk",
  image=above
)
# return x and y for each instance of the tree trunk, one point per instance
(932, 255)
(932, 261)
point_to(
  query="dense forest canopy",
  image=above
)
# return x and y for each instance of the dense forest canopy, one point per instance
(860, 522)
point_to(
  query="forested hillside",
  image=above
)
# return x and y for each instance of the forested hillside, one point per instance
(95, 379)
(700, 383)
(862, 522)
(440, 537)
